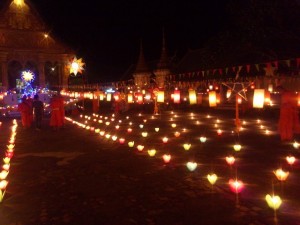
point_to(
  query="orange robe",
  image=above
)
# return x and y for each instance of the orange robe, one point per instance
(56, 119)
(24, 109)
(289, 116)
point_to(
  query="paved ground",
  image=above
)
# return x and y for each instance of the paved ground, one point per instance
(77, 177)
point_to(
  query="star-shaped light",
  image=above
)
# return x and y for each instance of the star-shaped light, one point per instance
(270, 70)
(27, 76)
(76, 66)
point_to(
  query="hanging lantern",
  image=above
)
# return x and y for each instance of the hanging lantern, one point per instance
(212, 97)
(192, 96)
(160, 96)
(130, 98)
(176, 97)
(228, 93)
(199, 98)
(258, 98)
(117, 96)
(108, 97)
(267, 98)
(270, 88)
(139, 97)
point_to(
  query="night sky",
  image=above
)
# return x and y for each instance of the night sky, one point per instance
(107, 34)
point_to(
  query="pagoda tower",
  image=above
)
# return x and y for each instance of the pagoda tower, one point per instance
(142, 73)
(162, 70)
(26, 43)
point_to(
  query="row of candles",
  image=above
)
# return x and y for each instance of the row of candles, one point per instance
(7, 159)
(236, 185)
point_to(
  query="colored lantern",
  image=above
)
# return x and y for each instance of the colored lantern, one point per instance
(230, 160)
(191, 166)
(108, 97)
(212, 178)
(237, 147)
(258, 98)
(176, 97)
(121, 140)
(130, 98)
(290, 160)
(160, 96)
(187, 146)
(131, 144)
(273, 201)
(281, 175)
(151, 152)
(140, 147)
(192, 96)
(166, 158)
(212, 98)
(236, 186)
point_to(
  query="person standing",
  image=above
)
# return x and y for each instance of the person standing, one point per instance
(56, 120)
(289, 115)
(29, 101)
(25, 111)
(38, 110)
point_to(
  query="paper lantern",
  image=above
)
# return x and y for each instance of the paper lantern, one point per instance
(273, 201)
(165, 140)
(191, 166)
(139, 98)
(3, 174)
(192, 96)
(176, 97)
(228, 93)
(140, 147)
(130, 98)
(230, 160)
(108, 97)
(131, 144)
(187, 146)
(122, 140)
(258, 98)
(290, 160)
(151, 152)
(101, 96)
(160, 96)
(281, 175)
(267, 97)
(236, 186)
(212, 98)
(166, 158)
(212, 178)
(202, 139)
(237, 147)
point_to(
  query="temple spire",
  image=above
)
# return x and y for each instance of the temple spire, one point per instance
(163, 62)
(141, 64)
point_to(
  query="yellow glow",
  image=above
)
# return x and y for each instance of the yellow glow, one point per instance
(258, 98)
(151, 152)
(76, 66)
(237, 147)
(212, 99)
(131, 144)
(27, 75)
(212, 178)
(274, 202)
(19, 3)
(191, 166)
(281, 175)
(187, 146)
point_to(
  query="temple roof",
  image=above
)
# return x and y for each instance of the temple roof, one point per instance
(164, 60)
(141, 66)
(22, 28)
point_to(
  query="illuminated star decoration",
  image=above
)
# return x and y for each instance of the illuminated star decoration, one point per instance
(239, 88)
(27, 76)
(76, 66)
(270, 70)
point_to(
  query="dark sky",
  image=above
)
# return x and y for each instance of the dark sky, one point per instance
(107, 34)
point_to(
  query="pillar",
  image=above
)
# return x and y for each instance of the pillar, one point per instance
(41, 68)
(4, 74)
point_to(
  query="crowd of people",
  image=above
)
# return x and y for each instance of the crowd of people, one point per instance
(33, 110)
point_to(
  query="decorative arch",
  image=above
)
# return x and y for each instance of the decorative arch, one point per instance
(14, 72)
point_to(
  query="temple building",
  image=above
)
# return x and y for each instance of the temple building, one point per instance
(142, 73)
(151, 72)
(26, 44)
(163, 66)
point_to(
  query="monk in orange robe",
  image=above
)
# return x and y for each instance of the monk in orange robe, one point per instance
(289, 115)
(56, 119)
(25, 111)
